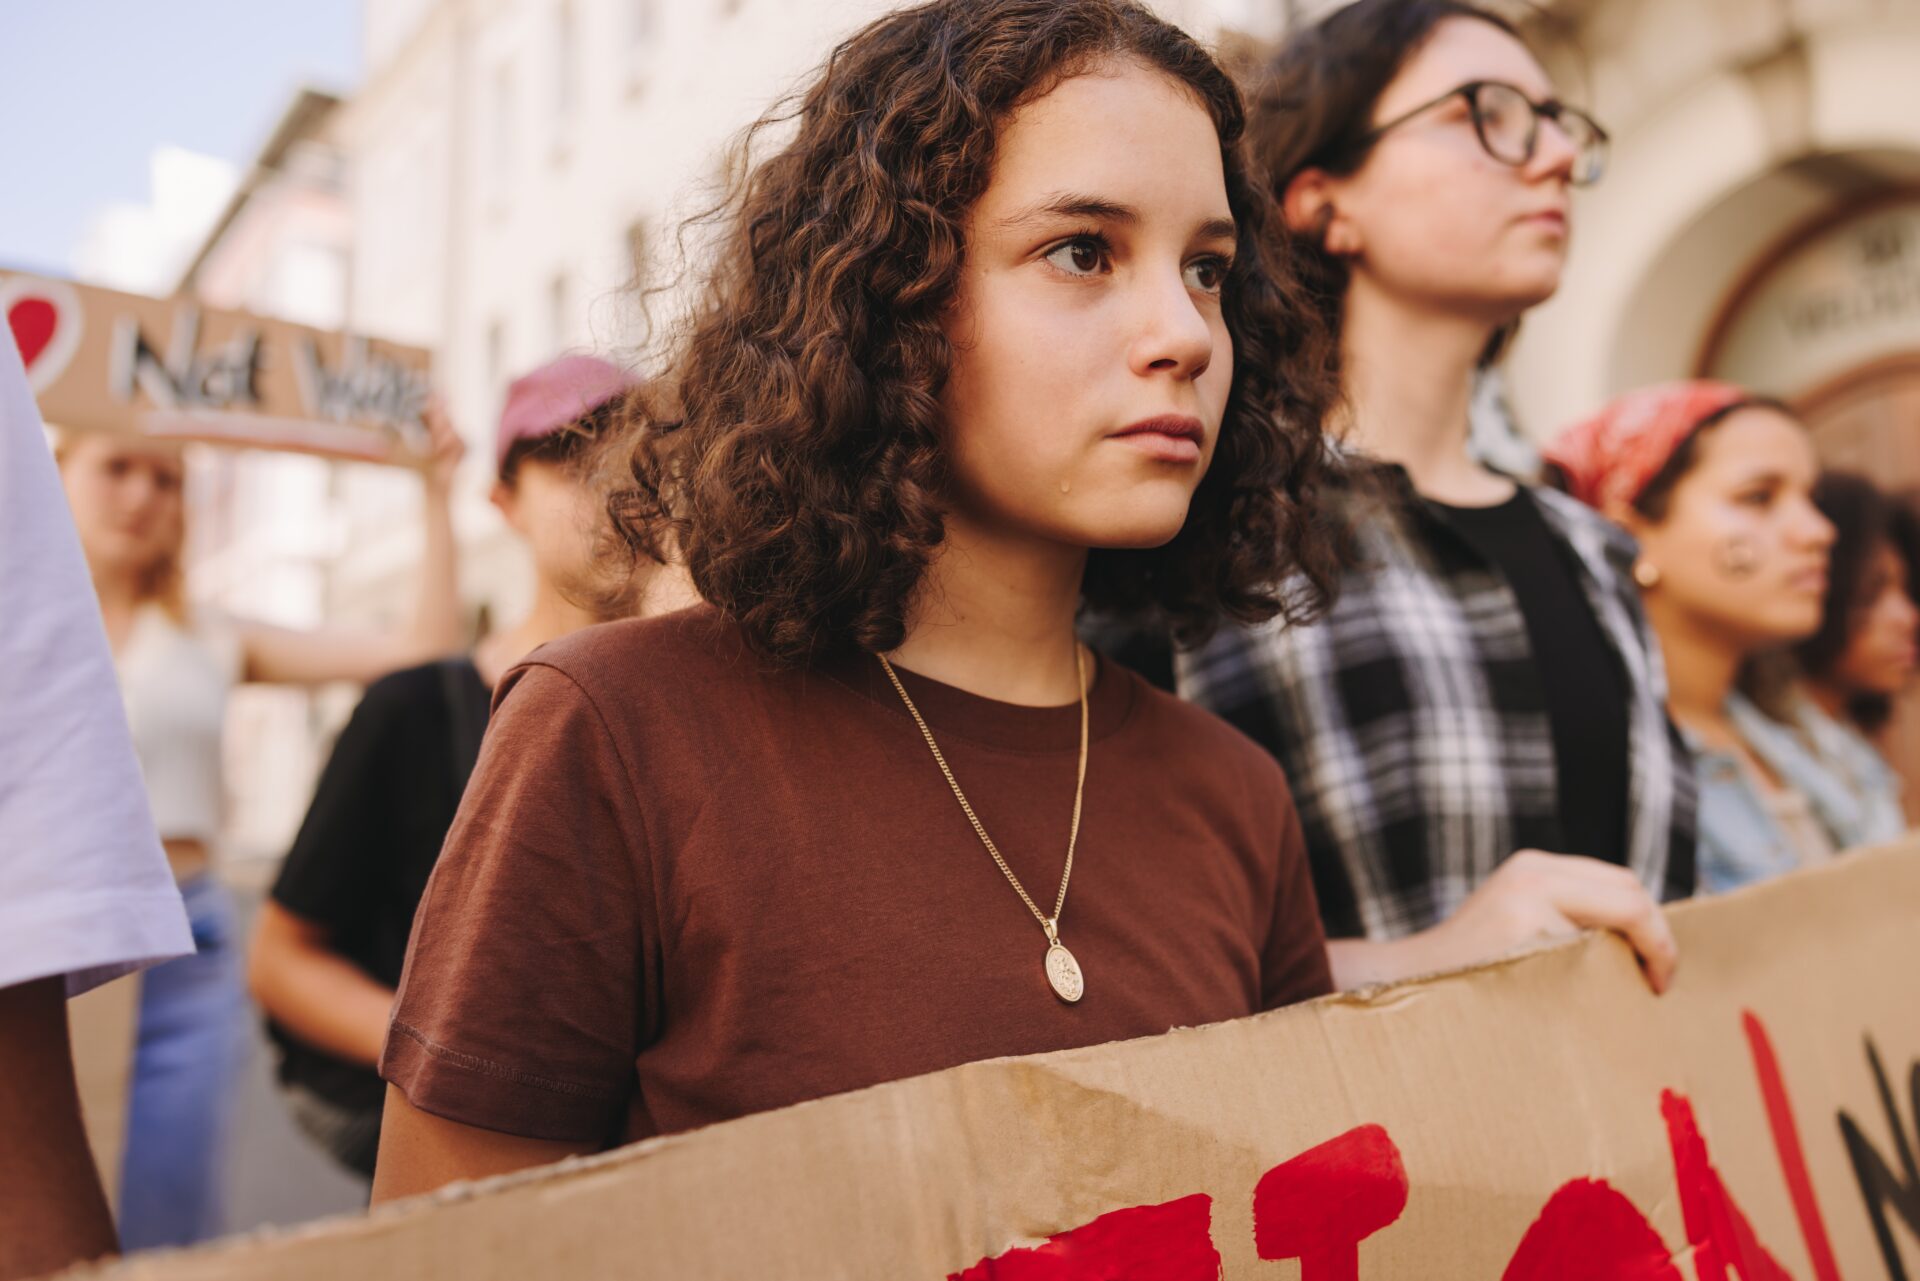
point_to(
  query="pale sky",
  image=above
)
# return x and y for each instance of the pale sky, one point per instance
(93, 90)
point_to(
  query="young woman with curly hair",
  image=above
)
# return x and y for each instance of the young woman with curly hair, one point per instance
(993, 337)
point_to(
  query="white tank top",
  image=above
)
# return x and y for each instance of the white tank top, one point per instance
(175, 681)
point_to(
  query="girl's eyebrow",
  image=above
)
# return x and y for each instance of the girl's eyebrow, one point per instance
(1762, 474)
(1067, 204)
(1218, 229)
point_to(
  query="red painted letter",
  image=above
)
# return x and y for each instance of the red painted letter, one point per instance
(1589, 1231)
(1786, 1142)
(1322, 1204)
(1168, 1242)
(1719, 1233)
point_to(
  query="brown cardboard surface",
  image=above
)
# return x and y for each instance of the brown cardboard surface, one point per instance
(100, 360)
(1542, 1110)
(103, 1025)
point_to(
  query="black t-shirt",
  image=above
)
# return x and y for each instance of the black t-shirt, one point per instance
(372, 834)
(1580, 675)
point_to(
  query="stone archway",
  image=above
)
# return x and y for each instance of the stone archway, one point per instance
(1728, 135)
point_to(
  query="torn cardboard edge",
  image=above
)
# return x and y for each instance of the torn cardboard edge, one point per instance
(1507, 1120)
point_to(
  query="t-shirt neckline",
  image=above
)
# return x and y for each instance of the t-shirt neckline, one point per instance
(1518, 499)
(952, 712)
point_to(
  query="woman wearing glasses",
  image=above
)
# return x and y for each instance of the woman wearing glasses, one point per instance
(1475, 734)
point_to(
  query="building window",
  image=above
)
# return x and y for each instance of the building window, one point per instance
(502, 129)
(637, 249)
(318, 165)
(559, 313)
(496, 359)
(643, 21)
(566, 68)
(643, 37)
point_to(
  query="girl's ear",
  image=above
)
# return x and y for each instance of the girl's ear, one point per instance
(1625, 515)
(503, 497)
(1309, 209)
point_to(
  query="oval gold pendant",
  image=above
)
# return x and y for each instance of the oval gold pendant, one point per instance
(1064, 973)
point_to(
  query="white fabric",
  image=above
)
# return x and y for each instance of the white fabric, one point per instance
(175, 681)
(84, 886)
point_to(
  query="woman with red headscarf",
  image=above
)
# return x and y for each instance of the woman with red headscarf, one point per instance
(1718, 486)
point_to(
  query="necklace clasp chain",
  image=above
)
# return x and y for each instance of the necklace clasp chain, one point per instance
(1063, 972)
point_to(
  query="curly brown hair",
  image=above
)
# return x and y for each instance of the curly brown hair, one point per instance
(793, 452)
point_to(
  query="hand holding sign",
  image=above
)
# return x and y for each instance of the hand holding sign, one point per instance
(1535, 895)
(445, 447)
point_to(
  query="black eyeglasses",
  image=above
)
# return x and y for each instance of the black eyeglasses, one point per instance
(1507, 123)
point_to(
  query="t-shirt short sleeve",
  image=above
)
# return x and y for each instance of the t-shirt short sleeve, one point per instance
(520, 1010)
(84, 887)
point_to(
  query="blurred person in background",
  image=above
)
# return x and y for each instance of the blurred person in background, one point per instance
(85, 896)
(176, 666)
(331, 939)
(1462, 790)
(1839, 686)
(1717, 485)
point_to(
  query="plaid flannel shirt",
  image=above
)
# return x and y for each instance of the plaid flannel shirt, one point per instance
(1412, 725)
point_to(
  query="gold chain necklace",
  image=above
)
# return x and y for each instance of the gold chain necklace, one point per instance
(1063, 972)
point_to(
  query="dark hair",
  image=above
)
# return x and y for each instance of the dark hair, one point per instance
(794, 455)
(1655, 498)
(571, 447)
(1865, 520)
(1313, 107)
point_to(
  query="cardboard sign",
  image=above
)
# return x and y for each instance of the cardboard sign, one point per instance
(99, 360)
(1542, 1117)
(103, 1026)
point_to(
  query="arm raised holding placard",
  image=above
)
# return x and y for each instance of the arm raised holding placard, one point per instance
(281, 655)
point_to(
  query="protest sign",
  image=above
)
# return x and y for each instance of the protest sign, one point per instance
(103, 1029)
(100, 360)
(1539, 1117)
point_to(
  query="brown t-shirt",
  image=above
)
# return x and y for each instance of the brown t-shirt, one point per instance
(684, 886)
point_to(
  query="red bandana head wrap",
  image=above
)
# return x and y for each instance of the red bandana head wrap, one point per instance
(1611, 456)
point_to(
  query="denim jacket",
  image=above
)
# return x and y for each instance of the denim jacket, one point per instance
(1852, 792)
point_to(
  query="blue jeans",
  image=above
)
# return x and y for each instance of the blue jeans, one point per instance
(186, 1072)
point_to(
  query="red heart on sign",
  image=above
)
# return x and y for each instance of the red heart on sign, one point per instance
(46, 320)
(33, 321)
